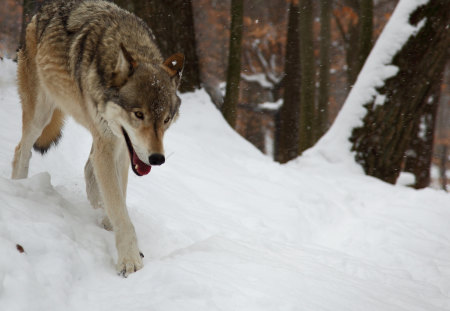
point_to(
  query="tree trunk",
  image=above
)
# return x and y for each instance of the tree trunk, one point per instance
(234, 63)
(125, 4)
(365, 32)
(30, 8)
(172, 23)
(351, 41)
(380, 143)
(287, 129)
(307, 91)
(358, 40)
(443, 166)
(324, 73)
(420, 151)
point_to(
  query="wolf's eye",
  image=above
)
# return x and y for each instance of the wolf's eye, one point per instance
(139, 115)
(167, 120)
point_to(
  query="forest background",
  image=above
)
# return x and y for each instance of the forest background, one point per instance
(264, 51)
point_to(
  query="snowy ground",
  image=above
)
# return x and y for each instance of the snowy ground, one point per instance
(222, 227)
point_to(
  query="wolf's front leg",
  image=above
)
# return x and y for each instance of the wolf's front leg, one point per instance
(107, 169)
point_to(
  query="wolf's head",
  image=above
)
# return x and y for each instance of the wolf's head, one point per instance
(145, 106)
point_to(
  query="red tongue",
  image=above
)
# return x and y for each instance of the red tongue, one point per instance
(142, 168)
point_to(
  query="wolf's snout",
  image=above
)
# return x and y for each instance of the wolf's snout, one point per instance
(156, 159)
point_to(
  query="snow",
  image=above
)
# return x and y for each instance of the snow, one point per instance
(406, 179)
(422, 128)
(260, 78)
(222, 227)
(379, 100)
(271, 105)
(335, 146)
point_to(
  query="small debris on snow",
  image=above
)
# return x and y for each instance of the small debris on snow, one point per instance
(20, 248)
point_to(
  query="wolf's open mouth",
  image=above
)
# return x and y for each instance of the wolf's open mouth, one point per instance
(138, 167)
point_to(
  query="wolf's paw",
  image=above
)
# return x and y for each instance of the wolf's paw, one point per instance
(130, 263)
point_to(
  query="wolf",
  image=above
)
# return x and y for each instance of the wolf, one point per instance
(99, 64)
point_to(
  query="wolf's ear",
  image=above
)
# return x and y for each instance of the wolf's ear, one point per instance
(125, 67)
(174, 66)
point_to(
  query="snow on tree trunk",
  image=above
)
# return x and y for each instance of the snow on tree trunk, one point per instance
(388, 128)
(380, 113)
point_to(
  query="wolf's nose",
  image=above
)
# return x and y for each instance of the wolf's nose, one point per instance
(156, 159)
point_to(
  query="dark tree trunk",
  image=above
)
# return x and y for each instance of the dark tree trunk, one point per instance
(172, 23)
(307, 91)
(387, 130)
(324, 73)
(365, 32)
(420, 151)
(26, 17)
(125, 4)
(30, 8)
(443, 150)
(287, 130)
(234, 63)
(351, 55)
(351, 41)
(358, 39)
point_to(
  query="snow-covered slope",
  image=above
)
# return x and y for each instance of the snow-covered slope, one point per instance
(222, 227)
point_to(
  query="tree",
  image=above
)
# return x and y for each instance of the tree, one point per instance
(365, 32)
(287, 128)
(324, 72)
(307, 91)
(443, 159)
(388, 128)
(173, 25)
(419, 154)
(357, 34)
(234, 63)
(29, 8)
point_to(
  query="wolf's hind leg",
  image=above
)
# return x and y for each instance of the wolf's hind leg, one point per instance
(35, 116)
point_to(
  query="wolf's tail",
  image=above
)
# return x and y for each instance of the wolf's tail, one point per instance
(51, 133)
